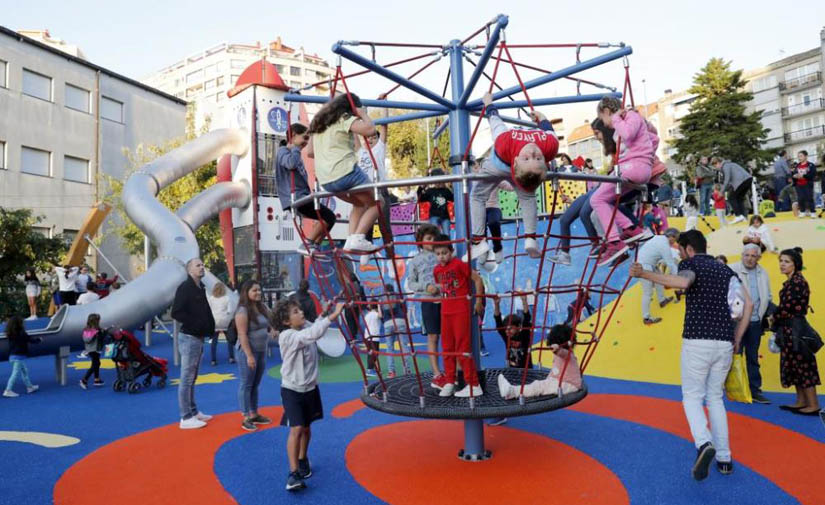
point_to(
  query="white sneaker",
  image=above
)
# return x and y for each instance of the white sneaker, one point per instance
(447, 390)
(562, 258)
(813, 215)
(504, 387)
(465, 393)
(359, 243)
(348, 243)
(10, 394)
(500, 256)
(532, 247)
(200, 416)
(307, 250)
(364, 260)
(32, 388)
(738, 219)
(477, 250)
(192, 423)
(489, 264)
(31, 318)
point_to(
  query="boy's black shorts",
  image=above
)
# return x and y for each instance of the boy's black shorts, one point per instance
(301, 409)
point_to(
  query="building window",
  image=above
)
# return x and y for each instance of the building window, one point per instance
(209, 84)
(37, 85)
(111, 109)
(295, 71)
(2, 155)
(234, 79)
(195, 76)
(295, 84)
(220, 97)
(3, 78)
(764, 83)
(69, 236)
(219, 81)
(75, 169)
(238, 64)
(77, 98)
(43, 230)
(35, 161)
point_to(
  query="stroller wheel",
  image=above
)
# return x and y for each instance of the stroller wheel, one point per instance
(119, 385)
(162, 383)
(147, 381)
(134, 387)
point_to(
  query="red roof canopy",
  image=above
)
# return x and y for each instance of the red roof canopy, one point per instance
(261, 73)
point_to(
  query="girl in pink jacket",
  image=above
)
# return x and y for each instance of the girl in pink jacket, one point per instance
(638, 148)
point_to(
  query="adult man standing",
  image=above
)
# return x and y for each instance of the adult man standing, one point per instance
(191, 310)
(709, 338)
(739, 181)
(757, 284)
(781, 173)
(705, 177)
(652, 253)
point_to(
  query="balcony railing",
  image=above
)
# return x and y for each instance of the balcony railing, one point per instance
(804, 108)
(807, 133)
(801, 81)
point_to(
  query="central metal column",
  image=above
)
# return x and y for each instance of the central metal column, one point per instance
(459, 138)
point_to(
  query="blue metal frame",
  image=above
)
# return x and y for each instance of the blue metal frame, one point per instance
(459, 109)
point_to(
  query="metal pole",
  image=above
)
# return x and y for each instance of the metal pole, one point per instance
(501, 23)
(459, 138)
(147, 251)
(389, 104)
(517, 104)
(427, 123)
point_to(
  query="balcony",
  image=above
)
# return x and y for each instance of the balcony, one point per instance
(802, 82)
(804, 108)
(806, 134)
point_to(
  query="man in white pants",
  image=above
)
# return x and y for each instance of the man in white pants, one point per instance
(710, 337)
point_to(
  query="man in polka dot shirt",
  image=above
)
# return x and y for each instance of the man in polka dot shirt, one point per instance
(709, 339)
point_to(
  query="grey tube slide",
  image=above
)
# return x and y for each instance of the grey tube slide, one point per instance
(151, 293)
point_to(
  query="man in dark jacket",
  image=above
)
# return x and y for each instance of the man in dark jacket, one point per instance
(191, 310)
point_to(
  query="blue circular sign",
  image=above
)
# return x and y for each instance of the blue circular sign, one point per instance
(277, 119)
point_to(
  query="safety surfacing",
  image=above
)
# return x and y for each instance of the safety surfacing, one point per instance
(627, 442)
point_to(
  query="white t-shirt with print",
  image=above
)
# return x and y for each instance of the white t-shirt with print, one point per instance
(379, 150)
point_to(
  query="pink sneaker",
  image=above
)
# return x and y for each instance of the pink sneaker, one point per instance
(635, 233)
(612, 251)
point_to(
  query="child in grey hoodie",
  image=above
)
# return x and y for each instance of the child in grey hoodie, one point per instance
(299, 382)
(419, 277)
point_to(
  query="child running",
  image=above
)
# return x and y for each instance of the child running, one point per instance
(300, 395)
(420, 280)
(519, 157)
(19, 342)
(559, 342)
(93, 341)
(291, 177)
(336, 163)
(453, 277)
(634, 165)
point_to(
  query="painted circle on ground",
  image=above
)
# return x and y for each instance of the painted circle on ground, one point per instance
(345, 369)
(431, 472)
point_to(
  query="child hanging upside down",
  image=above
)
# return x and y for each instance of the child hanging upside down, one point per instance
(453, 277)
(635, 164)
(559, 342)
(519, 157)
(336, 164)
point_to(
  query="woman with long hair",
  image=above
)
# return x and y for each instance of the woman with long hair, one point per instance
(32, 292)
(797, 362)
(223, 303)
(253, 321)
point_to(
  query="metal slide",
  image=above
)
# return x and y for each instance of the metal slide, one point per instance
(151, 293)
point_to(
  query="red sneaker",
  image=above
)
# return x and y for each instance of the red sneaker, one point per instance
(635, 233)
(612, 251)
(439, 382)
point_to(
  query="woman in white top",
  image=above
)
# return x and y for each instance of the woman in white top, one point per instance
(223, 303)
(67, 277)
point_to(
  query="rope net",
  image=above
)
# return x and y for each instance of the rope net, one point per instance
(343, 274)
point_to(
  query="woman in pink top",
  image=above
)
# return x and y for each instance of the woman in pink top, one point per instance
(638, 147)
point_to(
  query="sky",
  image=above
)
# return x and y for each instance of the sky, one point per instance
(671, 40)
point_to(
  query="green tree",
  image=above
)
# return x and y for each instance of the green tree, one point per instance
(407, 146)
(22, 248)
(173, 197)
(717, 124)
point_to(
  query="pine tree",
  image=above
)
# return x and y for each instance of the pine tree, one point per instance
(717, 124)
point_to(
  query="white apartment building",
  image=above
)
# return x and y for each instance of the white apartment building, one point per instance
(65, 121)
(205, 77)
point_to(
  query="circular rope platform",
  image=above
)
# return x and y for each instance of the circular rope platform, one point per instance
(403, 398)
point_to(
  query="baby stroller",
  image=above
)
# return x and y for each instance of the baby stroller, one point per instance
(132, 363)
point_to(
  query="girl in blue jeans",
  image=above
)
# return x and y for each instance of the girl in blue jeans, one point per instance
(18, 351)
(252, 320)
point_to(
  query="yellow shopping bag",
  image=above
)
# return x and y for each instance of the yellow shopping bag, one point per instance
(736, 385)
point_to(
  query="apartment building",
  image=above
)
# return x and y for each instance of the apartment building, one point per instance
(66, 120)
(205, 77)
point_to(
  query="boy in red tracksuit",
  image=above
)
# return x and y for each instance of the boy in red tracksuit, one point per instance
(453, 278)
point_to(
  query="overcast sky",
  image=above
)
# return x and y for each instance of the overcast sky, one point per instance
(670, 40)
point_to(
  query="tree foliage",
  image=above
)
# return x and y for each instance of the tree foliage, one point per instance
(407, 147)
(172, 197)
(22, 248)
(717, 124)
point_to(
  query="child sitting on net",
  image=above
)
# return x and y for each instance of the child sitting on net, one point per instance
(635, 163)
(519, 157)
(559, 341)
